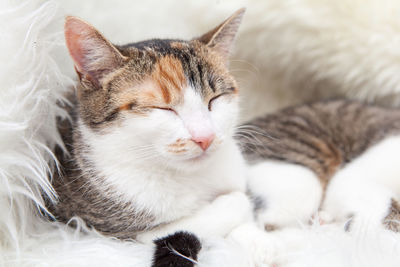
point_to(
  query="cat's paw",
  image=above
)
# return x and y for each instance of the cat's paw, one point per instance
(279, 215)
(340, 215)
(321, 218)
(178, 249)
(257, 243)
(235, 206)
(284, 194)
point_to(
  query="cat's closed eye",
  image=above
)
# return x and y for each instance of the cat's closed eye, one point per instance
(164, 108)
(210, 103)
(133, 106)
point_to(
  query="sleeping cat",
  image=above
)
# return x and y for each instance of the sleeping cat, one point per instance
(153, 150)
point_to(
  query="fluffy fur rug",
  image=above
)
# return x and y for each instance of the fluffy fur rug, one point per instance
(287, 52)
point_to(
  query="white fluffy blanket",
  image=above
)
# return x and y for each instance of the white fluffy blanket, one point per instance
(288, 51)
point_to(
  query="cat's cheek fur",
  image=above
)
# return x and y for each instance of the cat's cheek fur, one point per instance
(224, 115)
(160, 134)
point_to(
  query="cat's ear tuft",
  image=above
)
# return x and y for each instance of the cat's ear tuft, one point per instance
(222, 37)
(93, 55)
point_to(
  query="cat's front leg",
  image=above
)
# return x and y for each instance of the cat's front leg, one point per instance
(216, 219)
(284, 194)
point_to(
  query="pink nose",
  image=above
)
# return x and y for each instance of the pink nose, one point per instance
(204, 141)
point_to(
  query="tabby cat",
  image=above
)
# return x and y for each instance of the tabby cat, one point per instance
(154, 148)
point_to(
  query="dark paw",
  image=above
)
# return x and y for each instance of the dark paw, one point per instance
(177, 250)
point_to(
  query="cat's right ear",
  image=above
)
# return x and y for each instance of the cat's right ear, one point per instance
(93, 55)
(221, 38)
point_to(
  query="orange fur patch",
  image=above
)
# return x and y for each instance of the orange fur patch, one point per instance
(331, 157)
(178, 151)
(178, 146)
(163, 87)
(125, 106)
(169, 76)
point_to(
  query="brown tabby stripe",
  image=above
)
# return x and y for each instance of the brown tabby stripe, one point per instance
(323, 136)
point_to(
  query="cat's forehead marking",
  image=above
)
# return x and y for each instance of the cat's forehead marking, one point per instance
(199, 68)
(169, 76)
(163, 86)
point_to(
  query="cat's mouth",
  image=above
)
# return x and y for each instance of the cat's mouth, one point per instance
(205, 154)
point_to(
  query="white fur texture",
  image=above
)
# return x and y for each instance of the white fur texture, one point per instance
(291, 193)
(214, 220)
(363, 190)
(31, 83)
(288, 51)
(326, 245)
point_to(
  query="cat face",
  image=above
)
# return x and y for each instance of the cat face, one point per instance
(167, 100)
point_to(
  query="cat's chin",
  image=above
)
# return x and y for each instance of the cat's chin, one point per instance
(195, 161)
(199, 158)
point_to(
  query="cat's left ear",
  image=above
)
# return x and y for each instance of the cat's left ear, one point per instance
(222, 37)
(93, 55)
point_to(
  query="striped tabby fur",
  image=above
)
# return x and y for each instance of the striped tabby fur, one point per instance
(324, 136)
